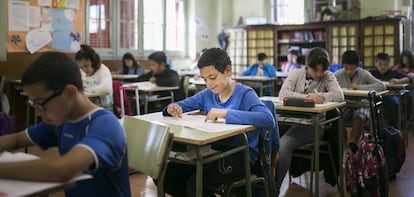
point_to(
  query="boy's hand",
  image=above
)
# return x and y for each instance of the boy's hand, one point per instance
(175, 110)
(153, 80)
(214, 114)
(318, 97)
(353, 87)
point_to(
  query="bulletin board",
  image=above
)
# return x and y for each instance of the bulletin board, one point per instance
(45, 25)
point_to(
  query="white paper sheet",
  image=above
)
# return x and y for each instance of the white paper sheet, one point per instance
(18, 16)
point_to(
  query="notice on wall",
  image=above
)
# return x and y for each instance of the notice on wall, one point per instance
(18, 16)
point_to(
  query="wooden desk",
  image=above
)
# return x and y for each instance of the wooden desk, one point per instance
(198, 82)
(148, 87)
(264, 82)
(123, 77)
(361, 93)
(314, 113)
(189, 73)
(200, 138)
(12, 187)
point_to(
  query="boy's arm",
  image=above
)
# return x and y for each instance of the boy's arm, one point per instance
(14, 141)
(271, 70)
(61, 168)
(372, 83)
(248, 71)
(171, 79)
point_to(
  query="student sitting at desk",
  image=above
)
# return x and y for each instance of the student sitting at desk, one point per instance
(383, 72)
(130, 66)
(95, 75)
(292, 62)
(262, 69)
(223, 98)
(89, 139)
(354, 78)
(162, 75)
(406, 65)
(316, 82)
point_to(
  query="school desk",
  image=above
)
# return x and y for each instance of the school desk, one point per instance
(12, 187)
(315, 116)
(194, 131)
(264, 82)
(147, 88)
(123, 77)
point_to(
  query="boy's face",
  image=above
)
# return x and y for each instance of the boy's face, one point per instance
(51, 106)
(215, 80)
(155, 67)
(382, 65)
(350, 69)
(86, 66)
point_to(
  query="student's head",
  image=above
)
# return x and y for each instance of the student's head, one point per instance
(407, 59)
(350, 62)
(50, 82)
(317, 63)
(382, 62)
(215, 69)
(128, 61)
(261, 58)
(292, 56)
(158, 61)
(88, 60)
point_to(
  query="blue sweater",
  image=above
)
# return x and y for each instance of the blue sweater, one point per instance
(268, 70)
(244, 107)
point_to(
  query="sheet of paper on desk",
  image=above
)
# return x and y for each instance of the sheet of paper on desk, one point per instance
(11, 187)
(197, 122)
(145, 85)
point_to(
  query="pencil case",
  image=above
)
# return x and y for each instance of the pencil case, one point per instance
(298, 102)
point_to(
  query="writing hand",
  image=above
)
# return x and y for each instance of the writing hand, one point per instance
(153, 80)
(175, 110)
(214, 114)
(318, 97)
(353, 87)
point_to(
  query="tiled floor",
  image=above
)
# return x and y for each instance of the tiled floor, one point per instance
(142, 186)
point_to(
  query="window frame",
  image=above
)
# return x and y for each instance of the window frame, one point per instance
(115, 51)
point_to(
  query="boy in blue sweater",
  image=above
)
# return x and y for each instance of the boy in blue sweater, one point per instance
(262, 69)
(223, 98)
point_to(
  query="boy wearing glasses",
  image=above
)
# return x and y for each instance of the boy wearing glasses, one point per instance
(89, 138)
(223, 98)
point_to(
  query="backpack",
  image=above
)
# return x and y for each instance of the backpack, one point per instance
(394, 149)
(6, 123)
(366, 170)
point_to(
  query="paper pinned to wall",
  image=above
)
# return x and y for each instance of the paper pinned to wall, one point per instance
(18, 16)
(61, 19)
(47, 3)
(36, 39)
(34, 19)
(45, 20)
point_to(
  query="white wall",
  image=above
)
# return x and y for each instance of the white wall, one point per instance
(375, 7)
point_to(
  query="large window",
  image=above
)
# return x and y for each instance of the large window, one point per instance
(289, 11)
(136, 26)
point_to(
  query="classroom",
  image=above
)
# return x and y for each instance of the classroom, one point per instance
(229, 72)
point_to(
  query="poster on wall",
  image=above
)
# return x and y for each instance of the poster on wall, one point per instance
(18, 16)
(42, 25)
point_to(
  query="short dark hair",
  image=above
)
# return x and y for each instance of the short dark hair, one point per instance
(87, 53)
(294, 52)
(55, 70)
(382, 56)
(318, 56)
(350, 57)
(158, 57)
(261, 56)
(215, 57)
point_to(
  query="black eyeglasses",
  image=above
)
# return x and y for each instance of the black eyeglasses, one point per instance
(41, 106)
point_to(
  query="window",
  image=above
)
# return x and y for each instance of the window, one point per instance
(288, 11)
(119, 26)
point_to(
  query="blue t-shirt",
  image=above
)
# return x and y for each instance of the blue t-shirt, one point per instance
(99, 132)
(244, 107)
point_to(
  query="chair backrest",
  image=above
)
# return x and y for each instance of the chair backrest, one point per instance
(116, 85)
(149, 145)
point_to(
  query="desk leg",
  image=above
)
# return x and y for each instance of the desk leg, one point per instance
(199, 173)
(317, 130)
(172, 96)
(146, 104)
(247, 166)
(340, 138)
